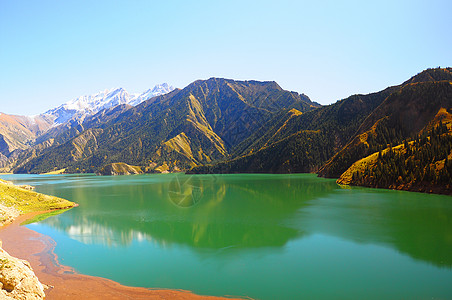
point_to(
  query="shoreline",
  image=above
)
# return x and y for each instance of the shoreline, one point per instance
(66, 283)
(426, 189)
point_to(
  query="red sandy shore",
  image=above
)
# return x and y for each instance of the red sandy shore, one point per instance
(64, 283)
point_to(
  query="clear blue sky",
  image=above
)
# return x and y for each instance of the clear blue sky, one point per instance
(54, 51)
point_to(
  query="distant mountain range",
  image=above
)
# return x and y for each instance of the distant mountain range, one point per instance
(227, 126)
(199, 124)
(20, 132)
(92, 104)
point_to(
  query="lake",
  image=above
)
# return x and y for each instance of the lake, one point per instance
(262, 236)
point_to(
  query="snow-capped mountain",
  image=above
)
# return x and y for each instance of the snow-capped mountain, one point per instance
(88, 105)
(159, 89)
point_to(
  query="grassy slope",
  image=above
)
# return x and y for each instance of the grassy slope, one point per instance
(29, 201)
(119, 169)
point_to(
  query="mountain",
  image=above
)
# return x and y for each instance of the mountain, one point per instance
(329, 139)
(199, 124)
(431, 75)
(92, 104)
(19, 132)
(294, 142)
(23, 137)
(60, 134)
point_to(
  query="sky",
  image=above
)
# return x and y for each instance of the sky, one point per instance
(54, 51)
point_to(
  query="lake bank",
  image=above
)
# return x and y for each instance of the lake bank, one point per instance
(17, 278)
(64, 282)
(344, 179)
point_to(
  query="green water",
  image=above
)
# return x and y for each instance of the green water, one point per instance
(262, 236)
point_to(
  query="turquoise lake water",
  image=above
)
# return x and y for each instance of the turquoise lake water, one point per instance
(256, 235)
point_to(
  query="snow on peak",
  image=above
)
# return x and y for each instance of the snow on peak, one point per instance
(91, 104)
(159, 89)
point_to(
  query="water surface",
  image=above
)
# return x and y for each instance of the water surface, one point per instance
(262, 236)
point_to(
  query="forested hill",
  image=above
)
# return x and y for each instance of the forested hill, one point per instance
(422, 163)
(330, 139)
(402, 115)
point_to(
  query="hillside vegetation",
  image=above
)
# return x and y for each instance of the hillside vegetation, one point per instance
(16, 199)
(422, 164)
(402, 115)
(119, 169)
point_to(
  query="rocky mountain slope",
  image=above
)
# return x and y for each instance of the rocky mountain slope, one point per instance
(19, 132)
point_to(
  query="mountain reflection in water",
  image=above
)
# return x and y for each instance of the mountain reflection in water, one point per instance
(243, 211)
(259, 233)
(236, 213)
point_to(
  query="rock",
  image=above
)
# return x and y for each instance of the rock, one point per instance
(7, 214)
(17, 279)
(26, 187)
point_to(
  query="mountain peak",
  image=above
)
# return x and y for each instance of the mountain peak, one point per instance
(163, 86)
(92, 104)
(433, 74)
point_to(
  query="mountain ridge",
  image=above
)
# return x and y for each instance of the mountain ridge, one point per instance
(404, 113)
(208, 118)
(91, 104)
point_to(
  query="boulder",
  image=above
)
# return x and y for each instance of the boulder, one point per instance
(17, 279)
